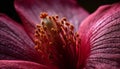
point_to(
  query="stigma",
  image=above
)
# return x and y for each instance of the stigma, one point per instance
(56, 40)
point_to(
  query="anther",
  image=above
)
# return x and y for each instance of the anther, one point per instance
(57, 16)
(36, 41)
(45, 28)
(38, 26)
(36, 47)
(67, 23)
(64, 19)
(62, 22)
(43, 15)
(42, 32)
(77, 35)
(71, 27)
(50, 43)
(43, 23)
(36, 35)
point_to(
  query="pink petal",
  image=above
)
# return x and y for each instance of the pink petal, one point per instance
(100, 39)
(17, 64)
(29, 11)
(14, 42)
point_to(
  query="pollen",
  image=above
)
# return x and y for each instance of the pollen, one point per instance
(55, 37)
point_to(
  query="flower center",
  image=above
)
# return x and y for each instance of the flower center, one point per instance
(56, 41)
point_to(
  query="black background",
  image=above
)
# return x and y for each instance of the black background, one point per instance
(7, 6)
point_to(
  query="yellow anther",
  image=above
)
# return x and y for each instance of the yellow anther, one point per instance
(77, 35)
(36, 41)
(42, 35)
(49, 17)
(43, 23)
(42, 32)
(50, 43)
(37, 32)
(43, 15)
(71, 27)
(62, 22)
(67, 23)
(64, 19)
(39, 50)
(71, 32)
(36, 35)
(52, 29)
(53, 18)
(36, 47)
(57, 16)
(45, 28)
(38, 26)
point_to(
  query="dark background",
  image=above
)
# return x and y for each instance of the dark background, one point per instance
(7, 6)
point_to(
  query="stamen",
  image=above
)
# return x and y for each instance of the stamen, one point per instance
(43, 15)
(55, 38)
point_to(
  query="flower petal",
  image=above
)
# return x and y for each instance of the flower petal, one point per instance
(17, 64)
(14, 42)
(100, 39)
(29, 11)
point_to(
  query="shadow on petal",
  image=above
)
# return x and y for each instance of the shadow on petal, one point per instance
(17, 64)
(14, 42)
(100, 38)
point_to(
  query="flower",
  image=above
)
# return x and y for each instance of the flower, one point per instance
(94, 50)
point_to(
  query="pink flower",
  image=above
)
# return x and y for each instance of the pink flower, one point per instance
(96, 45)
